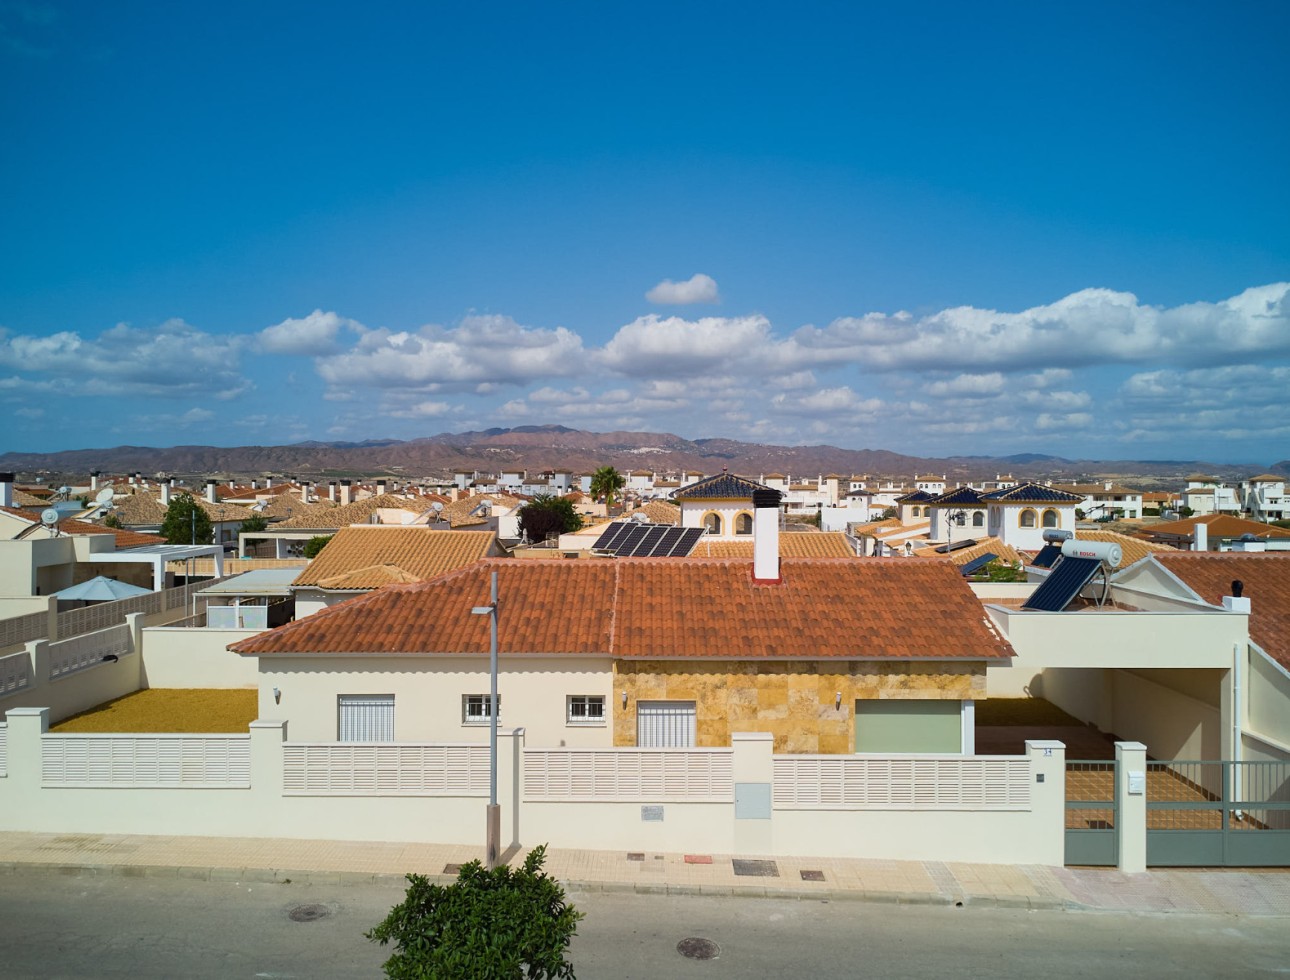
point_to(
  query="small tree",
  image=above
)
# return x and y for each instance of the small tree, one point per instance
(1185, 511)
(888, 514)
(316, 544)
(546, 514)
(111, 521)
(1000, 571)
(605, 483)
(254, 524)
(491, 925)
(186, 522)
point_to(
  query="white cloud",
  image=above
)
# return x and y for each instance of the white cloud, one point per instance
(674, 347)
(312, 336)
(697, 289)
(1092, 326)
(482, 349)
(169, 420)
(424, 410)
(171, 359)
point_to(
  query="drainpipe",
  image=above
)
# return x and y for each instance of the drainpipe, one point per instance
(1238, 604)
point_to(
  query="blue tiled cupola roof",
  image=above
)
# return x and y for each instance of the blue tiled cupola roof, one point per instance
(914, 497)
(724, 486)
(1031, 493)
(958, 497)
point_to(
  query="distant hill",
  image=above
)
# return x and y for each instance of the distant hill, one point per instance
(539, 447)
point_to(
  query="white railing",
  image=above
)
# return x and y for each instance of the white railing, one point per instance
(384, 769)
(4, 749)
(20, 629)
(146, 761)
(88, 650)
(15, 672)
(630, 775)
(833, 782)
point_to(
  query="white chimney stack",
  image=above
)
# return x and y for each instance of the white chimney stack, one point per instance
(165, 494)
(211, 496)
(331, 491)
(94, 479)
(6, 489)
(1200, 537)
(304, 491)
(380, 488)
(346, 494)
(766, 535)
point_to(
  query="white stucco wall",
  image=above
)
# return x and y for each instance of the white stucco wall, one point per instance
(428, 691)
(693, 512)
(175, 657)
(1004, 521)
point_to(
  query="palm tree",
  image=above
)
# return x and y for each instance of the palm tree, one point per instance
(606, 482)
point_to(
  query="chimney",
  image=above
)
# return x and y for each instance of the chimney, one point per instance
(211, 496)
(6, 489)
(331, 491)
(255, 484)
(165, 494)
(268, 483)
(94, 480)
(132, 476)
(1236, 602)
(304, 491)
(173, 481)
(766, 535)
(1200, 537)
(380, 488)
(1106, 485)
(346, 494)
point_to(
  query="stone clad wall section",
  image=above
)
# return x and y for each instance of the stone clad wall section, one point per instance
(793, 700)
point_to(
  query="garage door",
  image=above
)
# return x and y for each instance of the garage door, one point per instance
(665, 724)
(909, 726)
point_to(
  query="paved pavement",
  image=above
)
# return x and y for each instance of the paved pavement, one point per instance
(1253, 893)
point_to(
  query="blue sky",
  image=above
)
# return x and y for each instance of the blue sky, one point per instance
(949, 229)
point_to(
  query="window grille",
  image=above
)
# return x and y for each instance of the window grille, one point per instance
(586, 709)
(365, 718)
(474, 709)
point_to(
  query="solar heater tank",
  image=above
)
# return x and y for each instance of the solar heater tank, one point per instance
(1056, 535)
(1107, 552)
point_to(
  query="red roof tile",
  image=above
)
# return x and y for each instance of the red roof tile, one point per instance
(663, 608)
(1266, 578)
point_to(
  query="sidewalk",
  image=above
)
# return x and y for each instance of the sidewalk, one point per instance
(1261, 893)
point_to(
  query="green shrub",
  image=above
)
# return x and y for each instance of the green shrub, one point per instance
(490, 925)
(316, 544)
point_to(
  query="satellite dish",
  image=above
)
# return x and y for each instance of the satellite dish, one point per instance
(65, 491)
(104, 495)
(49, 517)
(437, 506)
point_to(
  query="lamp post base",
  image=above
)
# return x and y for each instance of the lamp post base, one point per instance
(493, 840)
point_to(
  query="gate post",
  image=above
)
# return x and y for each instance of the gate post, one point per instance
(1131, 806)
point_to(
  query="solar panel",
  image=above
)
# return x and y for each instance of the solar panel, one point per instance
(955, 546)
(627, 539)
(1063, 584)
(1047, 555)
(976, 564)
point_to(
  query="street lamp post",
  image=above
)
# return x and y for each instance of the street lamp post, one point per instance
(493, 819)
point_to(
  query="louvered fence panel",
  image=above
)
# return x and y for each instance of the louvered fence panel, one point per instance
(146, 761)
(4, 749)
(21, 629)
(910, 783)
(630, 775)
(384, 769)
(88, 650)
(15, 672)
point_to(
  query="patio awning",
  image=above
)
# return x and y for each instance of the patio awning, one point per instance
(101, 589)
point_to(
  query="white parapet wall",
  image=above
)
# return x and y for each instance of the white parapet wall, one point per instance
(182, 657)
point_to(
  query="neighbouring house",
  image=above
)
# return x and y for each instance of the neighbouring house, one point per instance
(722, 504)
(362, 558)
(959, 512)
(1206, 494)
(1219, 532)
(1264, 497)
(1019, 514)
(1106, 500)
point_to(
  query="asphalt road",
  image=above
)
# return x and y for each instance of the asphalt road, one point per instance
(54, 926)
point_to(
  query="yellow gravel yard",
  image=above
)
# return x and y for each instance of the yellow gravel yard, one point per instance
(160, 710)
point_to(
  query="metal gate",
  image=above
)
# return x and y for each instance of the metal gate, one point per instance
(1214, 814)
(1091, 813)
(665, 724)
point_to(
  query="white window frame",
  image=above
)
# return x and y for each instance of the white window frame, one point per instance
(586, 720)
(480, 704)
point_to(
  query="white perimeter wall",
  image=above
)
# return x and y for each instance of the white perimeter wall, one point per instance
(177, 657)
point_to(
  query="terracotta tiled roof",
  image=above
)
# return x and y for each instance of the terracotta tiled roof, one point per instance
(1132, 549)
(1031, 493)
(457, 513)
(802, 544)
(1006, 553)
(124, 538)
(324, 516)
(418, 551)
(1267, 478)
(138, 509)
(659, 512)
(1267, 585)
(22, 498)
(886, 524)
(1219, 525)
(866, 609)
(366, 579)
(723, 486)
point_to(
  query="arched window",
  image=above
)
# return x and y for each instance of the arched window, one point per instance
(1050, 518)
(743, 524)
(712, 523)
(1027, 518)
(978, 519)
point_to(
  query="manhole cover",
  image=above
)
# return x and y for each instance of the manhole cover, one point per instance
(309, 913)
(755, 869)
(698, 949)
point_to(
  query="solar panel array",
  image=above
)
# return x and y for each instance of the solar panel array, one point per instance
(976, 564)
(627, 539)
(1063, 584)
(1047, 555)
